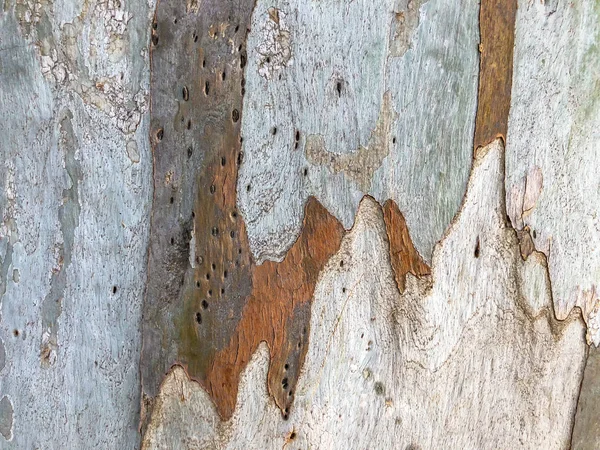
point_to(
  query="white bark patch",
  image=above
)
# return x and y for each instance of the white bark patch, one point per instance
(471, 357)
(89, 55)
(553, 147)
(133, 152)
(192, 6)
(275, 50)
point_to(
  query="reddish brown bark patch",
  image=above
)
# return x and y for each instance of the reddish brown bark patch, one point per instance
(497, 29)
(403, 255)
(199, 264)
(278, 312)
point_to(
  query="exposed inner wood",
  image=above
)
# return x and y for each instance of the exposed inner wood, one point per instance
(277, 312)
(199, 274)
(497, 29)
(403, 255)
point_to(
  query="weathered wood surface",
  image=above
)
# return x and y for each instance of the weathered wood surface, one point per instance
(199, 274)
(322, 176)
(552, 165)
(465, 358)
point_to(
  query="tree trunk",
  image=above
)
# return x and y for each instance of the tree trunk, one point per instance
(302, 224)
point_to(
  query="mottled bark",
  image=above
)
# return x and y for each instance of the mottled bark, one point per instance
(301, 224)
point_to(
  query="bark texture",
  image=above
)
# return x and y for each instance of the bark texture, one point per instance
(464, 358)
(300, 224)
(74, 210)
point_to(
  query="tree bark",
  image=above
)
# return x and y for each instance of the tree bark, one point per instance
(300, 224)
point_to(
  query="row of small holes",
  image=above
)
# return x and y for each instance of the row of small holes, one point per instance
(235, 117)
(215, 232)
(160, 135)
(285, 381)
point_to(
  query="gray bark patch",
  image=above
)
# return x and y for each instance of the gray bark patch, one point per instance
(2, 355)
(6, 418)
(68, 215)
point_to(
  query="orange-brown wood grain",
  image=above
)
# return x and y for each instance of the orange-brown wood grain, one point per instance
(278, 312)
(403, 255)
(497, 29)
